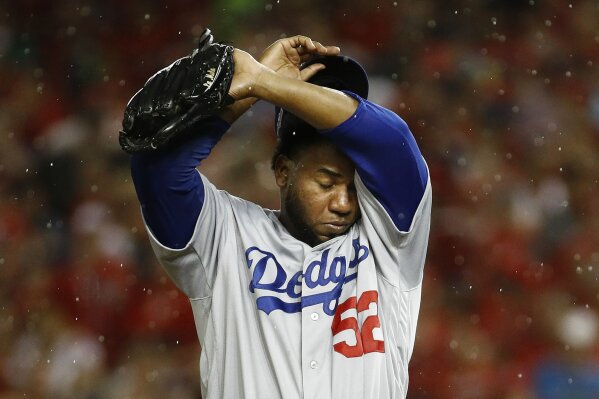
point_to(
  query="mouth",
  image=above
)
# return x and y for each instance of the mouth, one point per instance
(336, 227)
(330, 230)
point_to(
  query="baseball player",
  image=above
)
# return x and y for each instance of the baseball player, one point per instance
(319, 299)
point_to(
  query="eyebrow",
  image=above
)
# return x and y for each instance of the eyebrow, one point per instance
(329, 172)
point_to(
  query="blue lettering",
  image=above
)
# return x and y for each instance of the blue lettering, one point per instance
(322, 266)
(357, 257)
(269, 303)
(337, 269)
(260, 270)
(319, 273)
(295, 281)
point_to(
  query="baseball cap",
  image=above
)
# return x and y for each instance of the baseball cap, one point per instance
(341, 73)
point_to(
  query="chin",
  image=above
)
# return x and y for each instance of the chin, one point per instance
(329, 235)
(313, 237)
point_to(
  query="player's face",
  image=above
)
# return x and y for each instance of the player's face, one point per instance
(318, 195)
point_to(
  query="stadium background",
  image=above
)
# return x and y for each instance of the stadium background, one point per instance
(502, 96)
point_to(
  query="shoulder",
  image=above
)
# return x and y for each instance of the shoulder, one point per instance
(222, 199)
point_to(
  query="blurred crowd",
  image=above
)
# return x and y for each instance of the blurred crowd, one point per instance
(502, 97)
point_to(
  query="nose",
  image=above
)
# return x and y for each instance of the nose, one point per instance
(342, 202)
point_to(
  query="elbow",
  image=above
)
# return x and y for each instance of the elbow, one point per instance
(401, 130)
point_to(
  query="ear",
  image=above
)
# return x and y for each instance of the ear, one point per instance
(283, 168)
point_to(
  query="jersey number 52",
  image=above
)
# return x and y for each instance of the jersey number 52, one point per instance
(365, 342)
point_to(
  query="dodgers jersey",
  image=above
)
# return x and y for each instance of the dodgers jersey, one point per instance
(280, 319)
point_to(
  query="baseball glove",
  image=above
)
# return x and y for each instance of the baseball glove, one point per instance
(175, 98)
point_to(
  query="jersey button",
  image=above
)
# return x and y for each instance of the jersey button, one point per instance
(314, 316)
(314, 364)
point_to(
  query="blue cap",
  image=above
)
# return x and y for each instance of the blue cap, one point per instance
(341, 73)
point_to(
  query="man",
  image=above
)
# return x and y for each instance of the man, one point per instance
(321, 298)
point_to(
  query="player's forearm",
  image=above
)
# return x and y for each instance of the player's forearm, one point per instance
(321, 107)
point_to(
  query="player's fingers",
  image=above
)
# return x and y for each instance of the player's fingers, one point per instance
(302, 50)
(325, 50)
(320, 49)
(310, 71)
(306, 42)
(293, 53)
(333, 50)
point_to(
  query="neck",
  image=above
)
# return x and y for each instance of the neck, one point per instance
(288, 223)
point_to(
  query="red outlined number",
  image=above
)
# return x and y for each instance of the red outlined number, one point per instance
(365, 342)
(371, 322)
(351, 323)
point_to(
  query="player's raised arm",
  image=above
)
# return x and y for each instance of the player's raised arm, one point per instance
(319, 106)
(379, 142)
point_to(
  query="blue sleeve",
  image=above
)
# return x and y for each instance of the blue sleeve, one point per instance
(387, 158)
(169, 188)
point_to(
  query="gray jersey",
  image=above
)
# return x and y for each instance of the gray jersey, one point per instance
(280, 319)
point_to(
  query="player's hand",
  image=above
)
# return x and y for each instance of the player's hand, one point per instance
(247, 73)
(286, 55)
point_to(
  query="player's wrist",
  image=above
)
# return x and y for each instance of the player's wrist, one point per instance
(264, 83)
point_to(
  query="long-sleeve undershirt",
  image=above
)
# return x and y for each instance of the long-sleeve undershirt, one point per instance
(169, 188)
